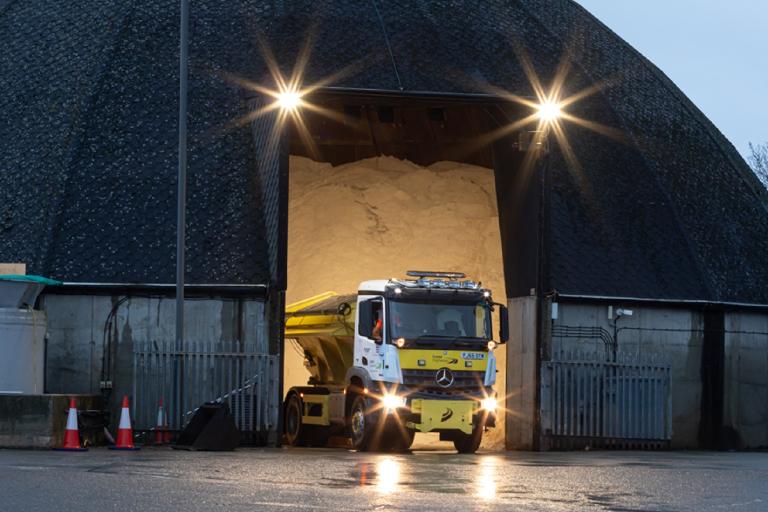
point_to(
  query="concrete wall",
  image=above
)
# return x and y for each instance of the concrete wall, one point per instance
(745, 411)
(39, 421)
(520, 401)
(77, 335)
(670, 335)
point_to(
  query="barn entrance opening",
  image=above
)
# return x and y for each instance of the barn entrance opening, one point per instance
(379, 185)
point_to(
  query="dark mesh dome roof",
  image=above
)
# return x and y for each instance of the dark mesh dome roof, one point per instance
(88, 138)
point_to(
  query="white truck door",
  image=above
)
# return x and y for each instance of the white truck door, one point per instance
(369, 336)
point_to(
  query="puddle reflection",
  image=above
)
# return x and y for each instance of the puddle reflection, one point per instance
(384, 475)
(387, 475)
(486, 479)
(480, 479)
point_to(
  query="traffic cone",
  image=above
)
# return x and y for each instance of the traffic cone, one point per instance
(71, 434)
(161, 424)
(166, 431)
(124, 431)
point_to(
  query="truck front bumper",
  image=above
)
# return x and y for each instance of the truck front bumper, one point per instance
(433, 415)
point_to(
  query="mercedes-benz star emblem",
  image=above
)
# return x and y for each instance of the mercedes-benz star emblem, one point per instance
(444, 378)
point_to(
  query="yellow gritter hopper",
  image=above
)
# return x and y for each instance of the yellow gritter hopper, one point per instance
(324, 327)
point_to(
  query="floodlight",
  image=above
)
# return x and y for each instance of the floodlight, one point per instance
(289, 100)
(549, 111)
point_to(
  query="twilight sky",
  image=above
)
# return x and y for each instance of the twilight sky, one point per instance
(716, 52)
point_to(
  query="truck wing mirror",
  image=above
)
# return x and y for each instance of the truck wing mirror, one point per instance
(365, 319)
(504, 324)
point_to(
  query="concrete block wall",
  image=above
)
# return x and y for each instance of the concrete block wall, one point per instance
(76, 335)
(745, 408)
(39, 421)
(671, 335)
(520, 400)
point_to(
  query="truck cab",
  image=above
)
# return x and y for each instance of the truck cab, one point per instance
(422, 360)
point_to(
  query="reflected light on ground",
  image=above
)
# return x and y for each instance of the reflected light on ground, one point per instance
(485, 482)
(387, 475)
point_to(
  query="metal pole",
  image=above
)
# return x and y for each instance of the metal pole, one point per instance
(182, 195)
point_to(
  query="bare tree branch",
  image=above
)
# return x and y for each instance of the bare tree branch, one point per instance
(758, 159)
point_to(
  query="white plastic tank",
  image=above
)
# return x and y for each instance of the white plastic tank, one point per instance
(22, 335)
(22, 350)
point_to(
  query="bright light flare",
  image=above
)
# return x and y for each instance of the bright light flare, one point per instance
(289, 100)
(289, 96)
(392, 402)
(549, 111)
(489, 404)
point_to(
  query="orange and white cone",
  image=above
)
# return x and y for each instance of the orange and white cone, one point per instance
(124, 431)
(72, 434)
(160, 437)
(166, 431)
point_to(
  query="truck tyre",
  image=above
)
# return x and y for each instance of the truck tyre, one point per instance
(469, 443)
(399, 438)
(298, 433)
(362, 425)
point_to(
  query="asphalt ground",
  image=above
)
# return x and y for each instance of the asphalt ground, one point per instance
(341, 480)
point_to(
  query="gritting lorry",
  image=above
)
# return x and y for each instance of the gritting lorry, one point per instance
(399, 357)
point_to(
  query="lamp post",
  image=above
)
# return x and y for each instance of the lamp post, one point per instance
(549, 113)
(181, 205)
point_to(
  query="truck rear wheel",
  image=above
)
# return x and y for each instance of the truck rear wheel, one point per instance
(362, 425)
(297, 433)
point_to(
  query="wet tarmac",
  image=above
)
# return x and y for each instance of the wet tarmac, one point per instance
(340, 480)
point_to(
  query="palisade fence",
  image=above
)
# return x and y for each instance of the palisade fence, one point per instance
(622, 403)
(226, 372)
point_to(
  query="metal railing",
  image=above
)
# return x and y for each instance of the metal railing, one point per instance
(588, 401)
(225, 372)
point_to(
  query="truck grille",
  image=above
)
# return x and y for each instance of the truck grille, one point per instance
(464, 382)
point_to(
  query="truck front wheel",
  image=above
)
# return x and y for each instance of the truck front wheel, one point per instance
(398, 438)
(469, 443)
(361, 425)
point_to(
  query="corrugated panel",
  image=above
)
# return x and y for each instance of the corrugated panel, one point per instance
(588, 402)
(224, 372)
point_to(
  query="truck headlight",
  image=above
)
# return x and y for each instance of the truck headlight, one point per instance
(489, 404)
(392, 402)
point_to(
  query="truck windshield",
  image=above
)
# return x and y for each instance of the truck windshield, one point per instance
(416, 320)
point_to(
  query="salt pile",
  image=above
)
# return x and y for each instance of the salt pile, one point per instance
(377, 218)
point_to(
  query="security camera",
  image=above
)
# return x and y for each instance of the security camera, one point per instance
(623, 312)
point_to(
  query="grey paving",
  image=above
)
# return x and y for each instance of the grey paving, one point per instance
(325, 479)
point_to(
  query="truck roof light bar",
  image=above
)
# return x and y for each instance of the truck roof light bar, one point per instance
(445, 275)
(433, 283)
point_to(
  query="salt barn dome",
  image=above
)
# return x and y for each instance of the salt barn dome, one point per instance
(660, 206)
